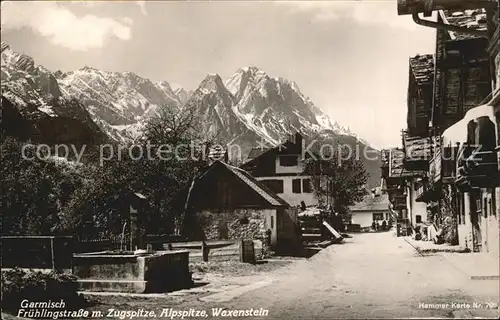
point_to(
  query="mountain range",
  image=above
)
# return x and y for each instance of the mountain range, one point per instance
(247, 107)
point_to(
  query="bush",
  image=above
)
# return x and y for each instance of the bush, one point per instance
(18, 285)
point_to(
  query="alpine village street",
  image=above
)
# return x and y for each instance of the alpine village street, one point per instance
(275, 228)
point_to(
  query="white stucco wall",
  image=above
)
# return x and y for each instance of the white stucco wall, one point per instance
(465, 229)
(489, 225)
(271, 214)
(415, 208)
(363, 218)
(293, 199)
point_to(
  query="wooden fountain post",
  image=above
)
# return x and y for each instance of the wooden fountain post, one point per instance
(137, 207)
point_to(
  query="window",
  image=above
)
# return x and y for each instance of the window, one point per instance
(296, 185)
(274, 185)
(272, 222)
(306, 186)
(289, 161)
(378, 216)
(418, 218)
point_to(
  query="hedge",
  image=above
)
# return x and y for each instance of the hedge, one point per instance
(18, 285)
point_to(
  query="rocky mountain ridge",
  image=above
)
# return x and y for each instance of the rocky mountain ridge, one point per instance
(248, 108)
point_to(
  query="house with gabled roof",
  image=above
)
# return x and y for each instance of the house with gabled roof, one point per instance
(281, 169)
(463, 182)
(231, 204)
(374, 207)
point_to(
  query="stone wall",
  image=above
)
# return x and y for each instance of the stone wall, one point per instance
(240, 224)
(102, 266)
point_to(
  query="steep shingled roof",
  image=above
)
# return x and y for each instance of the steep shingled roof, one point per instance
(422, 67)
(473, 19)
(268, 195)
(372, 203)
(262, 190)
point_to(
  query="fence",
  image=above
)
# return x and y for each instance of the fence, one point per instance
(116, 242)
(37, 252)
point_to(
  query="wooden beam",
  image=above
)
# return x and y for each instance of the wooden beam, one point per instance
(421, 6)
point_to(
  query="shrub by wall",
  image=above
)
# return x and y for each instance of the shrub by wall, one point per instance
(18, 285)
(449, 214)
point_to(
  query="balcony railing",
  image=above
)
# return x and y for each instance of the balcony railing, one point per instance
(478, 169)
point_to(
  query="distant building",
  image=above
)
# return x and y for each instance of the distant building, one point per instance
(281, 169)
(231, 204)
(374, 207)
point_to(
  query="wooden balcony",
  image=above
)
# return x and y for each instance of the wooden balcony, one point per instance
(442, 167)
(478, 170)
(417, 151)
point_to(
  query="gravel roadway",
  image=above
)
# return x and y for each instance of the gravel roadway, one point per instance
(374, 275)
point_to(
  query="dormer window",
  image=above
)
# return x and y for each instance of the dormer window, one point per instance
(289, 160)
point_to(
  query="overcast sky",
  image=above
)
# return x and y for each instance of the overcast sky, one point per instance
(349, 57)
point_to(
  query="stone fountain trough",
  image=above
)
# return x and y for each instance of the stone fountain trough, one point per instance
(114, 271)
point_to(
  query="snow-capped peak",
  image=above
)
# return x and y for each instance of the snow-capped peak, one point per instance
(212, 83)
(4, 46)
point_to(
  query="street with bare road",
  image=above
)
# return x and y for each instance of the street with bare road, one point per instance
(371, 275)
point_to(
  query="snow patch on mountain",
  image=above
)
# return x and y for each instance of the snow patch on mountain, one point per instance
(248, 105)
